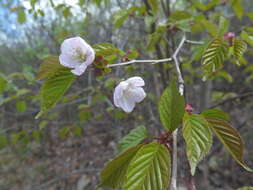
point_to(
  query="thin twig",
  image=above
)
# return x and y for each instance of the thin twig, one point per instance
(140, 61)
(173, 185)
(194, 42)
(232, 99)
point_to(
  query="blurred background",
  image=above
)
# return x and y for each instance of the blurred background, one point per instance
(67, 147)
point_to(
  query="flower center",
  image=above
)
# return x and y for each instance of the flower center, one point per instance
(79, 55)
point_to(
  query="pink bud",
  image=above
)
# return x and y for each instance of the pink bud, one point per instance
(189, 108)
(229, 35)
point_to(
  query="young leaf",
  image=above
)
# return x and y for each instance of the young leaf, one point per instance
(239, 48)
(214, 55)
(133, 138)
(216, 113)
(54, 88)
(171, 107)
(149, 169)
(114, 172)
(230, 138)
(49, 67)
(198, 138)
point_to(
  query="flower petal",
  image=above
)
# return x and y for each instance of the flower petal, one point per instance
(137, 94)
(118, 92)
(136, 81)
(126, 104)
(79, 70)
(76, 54)
(66, 61)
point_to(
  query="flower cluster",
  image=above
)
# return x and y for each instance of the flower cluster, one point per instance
(77, 54)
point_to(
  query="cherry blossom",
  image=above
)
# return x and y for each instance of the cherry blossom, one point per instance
(76, 54)
(129, 92)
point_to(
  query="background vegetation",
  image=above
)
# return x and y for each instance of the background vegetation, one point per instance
(67, 147)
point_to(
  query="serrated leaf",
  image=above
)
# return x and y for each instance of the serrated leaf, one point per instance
(171, 107)
(245, 188)
(239, 48)
(214, 55)
(133, 138)
(54, 88)
(215, 113)
(245, 36)
(198, 138)
(114, 172)
(230, 138)
(49, 67)
(149, 169)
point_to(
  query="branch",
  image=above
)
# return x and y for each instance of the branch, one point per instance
(232, 99)
(173, 185)
(140, 61)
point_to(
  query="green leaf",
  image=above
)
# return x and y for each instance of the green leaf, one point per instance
(114, 172)
(239, 48)
(154, 5)
(21, 16)
(180, 15)
(49, 67)
(198, 138)
(3, 141)
(214, 55)
(230, 138)
(171, 107)
(245, 36)
(54, 88)
(245, 188)
(238, 8)
(149, 169)
(223, 25)
(211, 28)
(216, 113)
(21, 106)
(3, 83)
(133, 138)
(155, 37)
(224, 75)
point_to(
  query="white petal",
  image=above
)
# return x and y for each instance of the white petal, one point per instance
(137, 94)
(71, 51)
(136, 81)
(66, 61)
(118, 92)
(79, 70)
(126, 104)
(90, 56)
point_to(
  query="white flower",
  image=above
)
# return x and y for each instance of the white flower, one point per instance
(76, 54)
(128, 93)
